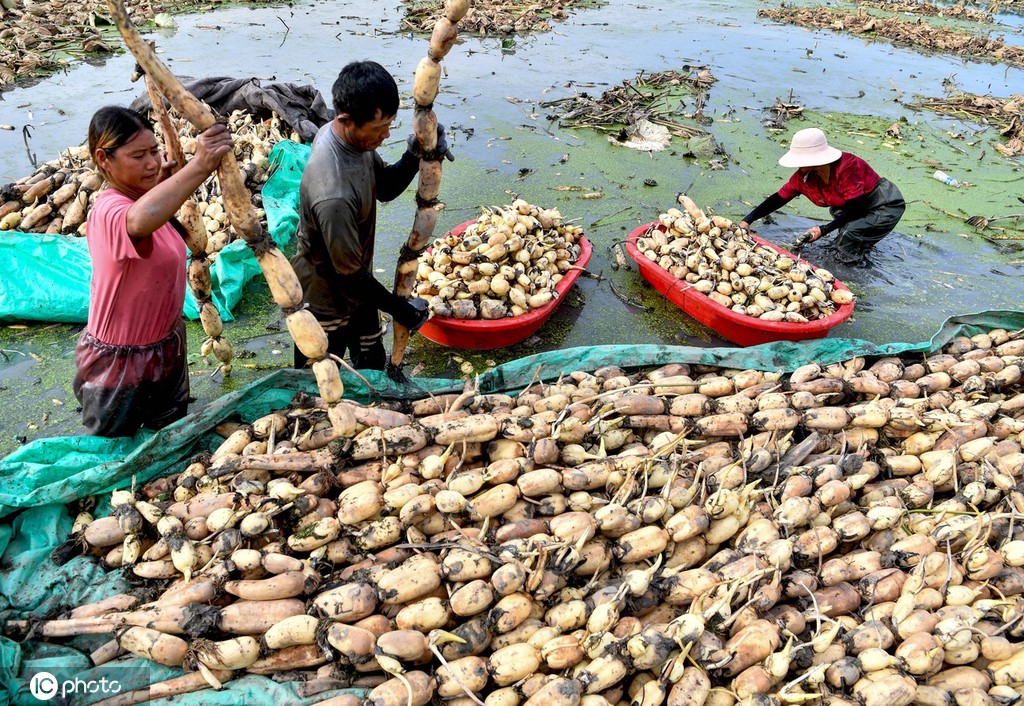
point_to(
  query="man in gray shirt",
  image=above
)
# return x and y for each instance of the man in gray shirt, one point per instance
(341, 184)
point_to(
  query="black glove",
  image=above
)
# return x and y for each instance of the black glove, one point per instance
(412, 314)
(440, 152)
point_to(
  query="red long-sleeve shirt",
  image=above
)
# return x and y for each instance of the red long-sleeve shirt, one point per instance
(851, 177)
(851, 181)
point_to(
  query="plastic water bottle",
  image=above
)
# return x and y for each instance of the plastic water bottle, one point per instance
(945, 178)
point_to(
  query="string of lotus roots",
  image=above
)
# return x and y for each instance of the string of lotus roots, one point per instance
(849, 534)
(197, 242)
(305, 330)
(424, 125)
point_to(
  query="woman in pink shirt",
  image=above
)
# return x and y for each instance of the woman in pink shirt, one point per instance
(130, 359)
(864, 206)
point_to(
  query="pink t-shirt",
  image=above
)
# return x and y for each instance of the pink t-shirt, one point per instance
(138, 287)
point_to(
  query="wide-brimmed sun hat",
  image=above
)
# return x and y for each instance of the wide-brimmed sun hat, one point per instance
(809, 148)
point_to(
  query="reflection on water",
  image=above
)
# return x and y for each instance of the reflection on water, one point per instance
(14, 367)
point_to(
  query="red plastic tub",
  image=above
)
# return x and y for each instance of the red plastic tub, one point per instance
(485, 334)
(738, 328)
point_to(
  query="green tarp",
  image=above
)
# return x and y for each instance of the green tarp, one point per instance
(62, 469)
(46, 277)
(37, 480)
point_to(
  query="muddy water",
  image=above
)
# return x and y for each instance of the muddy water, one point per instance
(509, 145)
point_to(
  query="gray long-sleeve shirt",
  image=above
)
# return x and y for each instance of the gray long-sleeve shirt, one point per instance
(338, 198)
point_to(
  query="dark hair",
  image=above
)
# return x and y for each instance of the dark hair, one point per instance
(362, 88)
(113, 126)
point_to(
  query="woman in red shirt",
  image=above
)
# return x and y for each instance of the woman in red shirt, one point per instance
(130, 359)
(864, 206)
